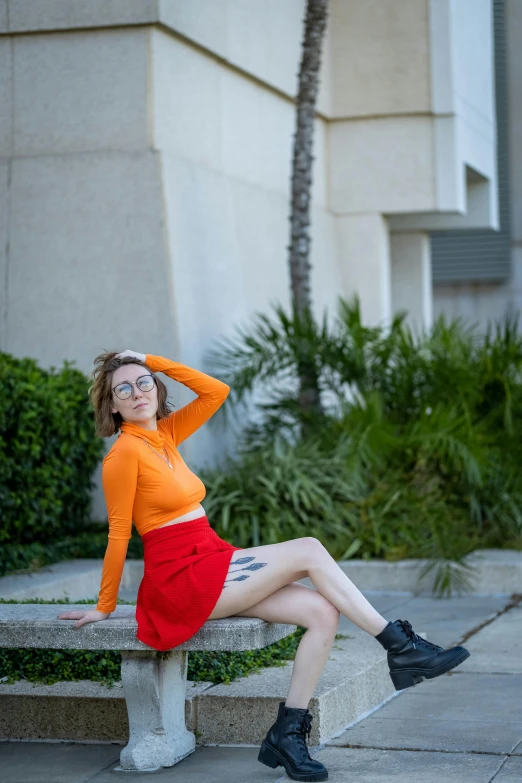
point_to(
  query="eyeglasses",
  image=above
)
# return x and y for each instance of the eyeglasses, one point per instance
(123, 391)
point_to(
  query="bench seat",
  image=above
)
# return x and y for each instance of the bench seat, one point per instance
(153, 682)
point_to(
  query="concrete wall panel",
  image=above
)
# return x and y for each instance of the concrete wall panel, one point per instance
(186, 101)
(4, 238)
(383, 165)
(257, 133)
(88, 259)
(260, 37)
(4, 16)
(364, 260)
(80, 91)
(472, 44)
(442, 82)
(6, 94)
(230, 124)
(266, 40)
(476, 304)
(203, 21)
(326, 275)
(411, 278)
(380, 57)
(28, 15)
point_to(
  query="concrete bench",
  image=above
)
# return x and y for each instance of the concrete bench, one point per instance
(153, 682)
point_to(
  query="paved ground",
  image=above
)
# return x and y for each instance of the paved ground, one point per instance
(463, 727)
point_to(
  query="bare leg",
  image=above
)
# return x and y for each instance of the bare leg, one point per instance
(257, 572)
(309, 662)
(302, 605)
(332, 582)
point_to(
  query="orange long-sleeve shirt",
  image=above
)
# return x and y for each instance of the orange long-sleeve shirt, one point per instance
(139, 486)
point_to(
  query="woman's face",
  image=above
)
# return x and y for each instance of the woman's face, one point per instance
(141, 405)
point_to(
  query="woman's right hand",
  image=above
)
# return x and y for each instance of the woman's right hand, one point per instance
(84, 616)
(132, 355)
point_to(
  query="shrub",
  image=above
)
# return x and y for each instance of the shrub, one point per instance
(48, 452)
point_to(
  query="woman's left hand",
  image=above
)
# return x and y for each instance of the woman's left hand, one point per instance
(84, 616)
(132, 354)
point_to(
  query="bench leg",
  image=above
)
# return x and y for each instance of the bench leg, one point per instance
(154, 687)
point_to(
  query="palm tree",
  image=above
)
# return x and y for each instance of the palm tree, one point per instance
(299, 248)
(292, 342)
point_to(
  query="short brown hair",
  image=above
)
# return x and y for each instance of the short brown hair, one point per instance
(100, 392)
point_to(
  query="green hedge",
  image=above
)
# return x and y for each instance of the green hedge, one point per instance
(48, 452)
(103, 666)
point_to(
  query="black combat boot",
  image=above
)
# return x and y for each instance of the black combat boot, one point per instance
(285, 745)
(412, 659)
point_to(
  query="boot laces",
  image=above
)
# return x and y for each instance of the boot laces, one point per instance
(305, 727)
(408, 630)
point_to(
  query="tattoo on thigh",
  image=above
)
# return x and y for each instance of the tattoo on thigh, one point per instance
(242, 561)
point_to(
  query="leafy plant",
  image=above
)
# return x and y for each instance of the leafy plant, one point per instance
(417, 452)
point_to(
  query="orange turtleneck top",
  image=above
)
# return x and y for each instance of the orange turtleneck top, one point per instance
(138, 484)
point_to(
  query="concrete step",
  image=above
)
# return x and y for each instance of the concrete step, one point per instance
(354, 682)
(73, 579)
(494, 572)
(82, 710)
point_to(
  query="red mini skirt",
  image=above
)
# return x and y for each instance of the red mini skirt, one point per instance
(186, 565)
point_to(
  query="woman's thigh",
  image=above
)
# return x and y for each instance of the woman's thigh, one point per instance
(297, 604)
(257, 572)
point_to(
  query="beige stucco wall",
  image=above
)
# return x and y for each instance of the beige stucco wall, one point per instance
(145, 157)
(380, 58)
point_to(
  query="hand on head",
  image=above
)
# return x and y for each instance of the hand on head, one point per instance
(132, 354)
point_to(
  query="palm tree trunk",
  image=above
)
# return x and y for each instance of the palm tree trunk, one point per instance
(299, 248)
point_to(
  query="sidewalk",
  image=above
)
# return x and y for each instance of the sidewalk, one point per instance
(463, 727)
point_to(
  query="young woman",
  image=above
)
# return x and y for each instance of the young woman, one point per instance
(192, 575)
